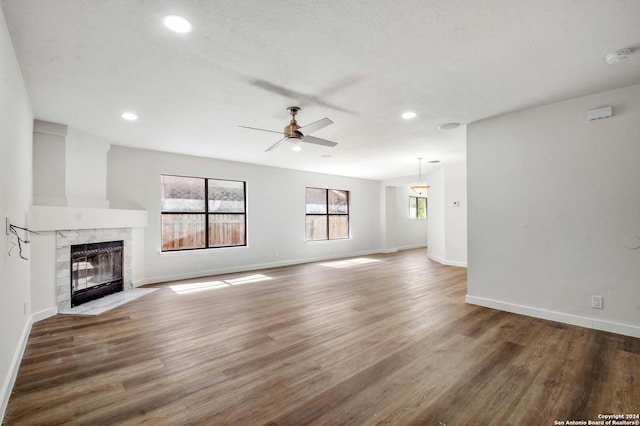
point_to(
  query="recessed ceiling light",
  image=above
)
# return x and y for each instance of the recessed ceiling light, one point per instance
(129, 116)
(177, 24)
(448, 126)
(409, 115)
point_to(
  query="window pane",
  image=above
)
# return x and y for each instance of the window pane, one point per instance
(226, 196)
(316, 200)
(338, 227)
(182, 194)
(412, 208)
(338, 201)
(226, 230)
(182, 231)
(316, 228)
(422, 208)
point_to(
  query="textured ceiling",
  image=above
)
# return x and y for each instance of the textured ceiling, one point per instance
(360, 63)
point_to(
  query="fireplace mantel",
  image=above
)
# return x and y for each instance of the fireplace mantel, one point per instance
(54, 218)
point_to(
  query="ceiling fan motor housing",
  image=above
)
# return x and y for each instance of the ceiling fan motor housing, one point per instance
(291, 131)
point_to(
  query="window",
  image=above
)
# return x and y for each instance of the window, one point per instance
(327, 214)
(417, 207)
(200, 213)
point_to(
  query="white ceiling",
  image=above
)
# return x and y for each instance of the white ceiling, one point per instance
(360, 63)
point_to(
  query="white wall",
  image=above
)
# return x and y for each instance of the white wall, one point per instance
(447, 224)
(16, 126)
(70, 167)
(410, 233)
(49, 164)
(455, 217)
(43, 274)
(86, 169)
(276, 213)
(388, 228)
(551, 198)
(436, 214)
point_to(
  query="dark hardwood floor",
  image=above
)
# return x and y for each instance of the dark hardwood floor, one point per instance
(358, 342)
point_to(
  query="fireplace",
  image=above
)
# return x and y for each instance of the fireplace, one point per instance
(96, 270)
(82, 237)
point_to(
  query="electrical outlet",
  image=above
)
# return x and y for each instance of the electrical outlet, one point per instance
(597, 302)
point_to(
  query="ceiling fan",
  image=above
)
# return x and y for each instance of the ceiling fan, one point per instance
(296, 134)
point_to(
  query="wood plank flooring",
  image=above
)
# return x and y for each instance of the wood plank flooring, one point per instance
(384, 340)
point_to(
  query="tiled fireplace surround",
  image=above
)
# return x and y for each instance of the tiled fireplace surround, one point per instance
(64, 241)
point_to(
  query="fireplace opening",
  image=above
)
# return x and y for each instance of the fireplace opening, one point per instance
(96, 271)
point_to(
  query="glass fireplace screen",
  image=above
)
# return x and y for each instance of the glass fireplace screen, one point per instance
(94, 265)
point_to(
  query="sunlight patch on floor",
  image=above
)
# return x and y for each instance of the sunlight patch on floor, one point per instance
(248, 279)
(195, 287)
(349, 262)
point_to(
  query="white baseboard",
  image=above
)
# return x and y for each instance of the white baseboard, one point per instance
(447, 262)
(44, 314)
(247, 268)
(456, 263)
(400, 248)
(613, 327)
(10, 379)
(389, 251)
(411, 247)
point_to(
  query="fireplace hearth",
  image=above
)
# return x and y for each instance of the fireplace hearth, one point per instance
(96, 270)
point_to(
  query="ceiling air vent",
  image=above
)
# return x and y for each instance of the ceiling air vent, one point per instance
(600, 113)
(617, 56)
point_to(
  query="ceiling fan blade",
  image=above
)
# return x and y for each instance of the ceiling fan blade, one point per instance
(275, 145)
(262, 130)
(316, 125)
(318, 141)
(299, 97)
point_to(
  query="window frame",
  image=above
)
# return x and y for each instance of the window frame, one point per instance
(327, 215)
(206, 214)
(417, 209)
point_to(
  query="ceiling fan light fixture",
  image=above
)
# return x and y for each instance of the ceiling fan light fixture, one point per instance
(295, 133)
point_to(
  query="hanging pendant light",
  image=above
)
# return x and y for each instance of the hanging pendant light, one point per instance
(420, 188)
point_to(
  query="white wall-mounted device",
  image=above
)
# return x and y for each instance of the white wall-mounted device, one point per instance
(597, 302)
(599, 113)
